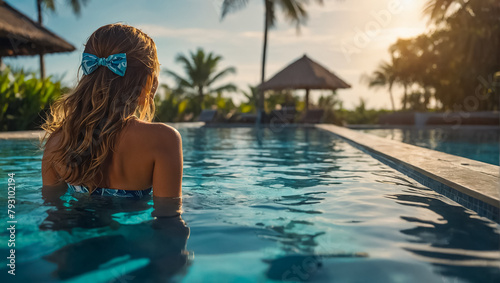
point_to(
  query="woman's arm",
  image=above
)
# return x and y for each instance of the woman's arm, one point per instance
(167, 172)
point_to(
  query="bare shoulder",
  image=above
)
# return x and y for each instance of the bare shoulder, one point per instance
(164, 144)
(165, 131)
(157, 134)
(51, 143)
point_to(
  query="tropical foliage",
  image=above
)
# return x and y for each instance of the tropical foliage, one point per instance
(360, 114)
(456, 63)
(23, 99)
(172, 107)
(383, 76)
(201, 73)
(177, 106)
(335, 113)
(252, 96)
(75, 5)
(331, 104)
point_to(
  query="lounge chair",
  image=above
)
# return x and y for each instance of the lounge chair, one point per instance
(207, 116)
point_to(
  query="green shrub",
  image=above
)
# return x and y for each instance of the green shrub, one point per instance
(176, 106)
(171, 108)
(24, 99)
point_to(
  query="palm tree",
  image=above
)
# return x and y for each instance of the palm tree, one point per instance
(475, 23)
(330, 103)
(450, 61)
(252, 98)
(294, 11)
(383, 76)
(76, 6)
(404, 65)
(201, 74)
(436, 10)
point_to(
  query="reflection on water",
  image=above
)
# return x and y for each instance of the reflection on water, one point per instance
(147, 251)
(261, 206)
(476, 143)
(458, 248)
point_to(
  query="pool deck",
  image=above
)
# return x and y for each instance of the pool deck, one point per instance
(37, 134)
(21, 135)
(471, 183)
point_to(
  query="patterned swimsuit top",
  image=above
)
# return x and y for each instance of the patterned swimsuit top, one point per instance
(111, 192)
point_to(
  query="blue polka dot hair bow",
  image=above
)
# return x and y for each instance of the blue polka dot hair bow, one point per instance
(117, 63)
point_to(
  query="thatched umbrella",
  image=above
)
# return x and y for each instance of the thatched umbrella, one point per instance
(304, 74)
(19, 35)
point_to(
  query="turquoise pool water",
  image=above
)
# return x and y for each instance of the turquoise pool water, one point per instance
(478, 143)
(259, 206)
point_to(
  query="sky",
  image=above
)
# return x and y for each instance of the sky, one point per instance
(348, 37)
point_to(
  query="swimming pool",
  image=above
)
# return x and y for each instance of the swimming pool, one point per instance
(259, 206)
(473, 142)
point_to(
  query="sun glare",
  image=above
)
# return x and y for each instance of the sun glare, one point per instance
(410, 4)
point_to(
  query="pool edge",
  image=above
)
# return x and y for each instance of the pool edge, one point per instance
(473, 184)
(38, 134)
(15, 135)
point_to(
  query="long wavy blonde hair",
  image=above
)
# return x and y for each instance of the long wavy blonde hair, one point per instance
(88, 120)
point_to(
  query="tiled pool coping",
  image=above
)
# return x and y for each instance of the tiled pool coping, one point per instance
(39, 134)
(21, 135)
(470, 183)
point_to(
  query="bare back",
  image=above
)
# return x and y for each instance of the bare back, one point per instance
(145, 155)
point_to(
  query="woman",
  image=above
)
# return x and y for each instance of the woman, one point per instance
(100, 138)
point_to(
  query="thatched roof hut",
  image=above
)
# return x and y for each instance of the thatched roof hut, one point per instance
(19, 35)
(306, 74)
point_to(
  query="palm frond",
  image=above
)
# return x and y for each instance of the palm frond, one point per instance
(436, 10)
(221, 74)
(186, 64)
(294, 11)
(180, 80)
(270, 13)
(230, 6)
(226, 87)
(49, 4)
